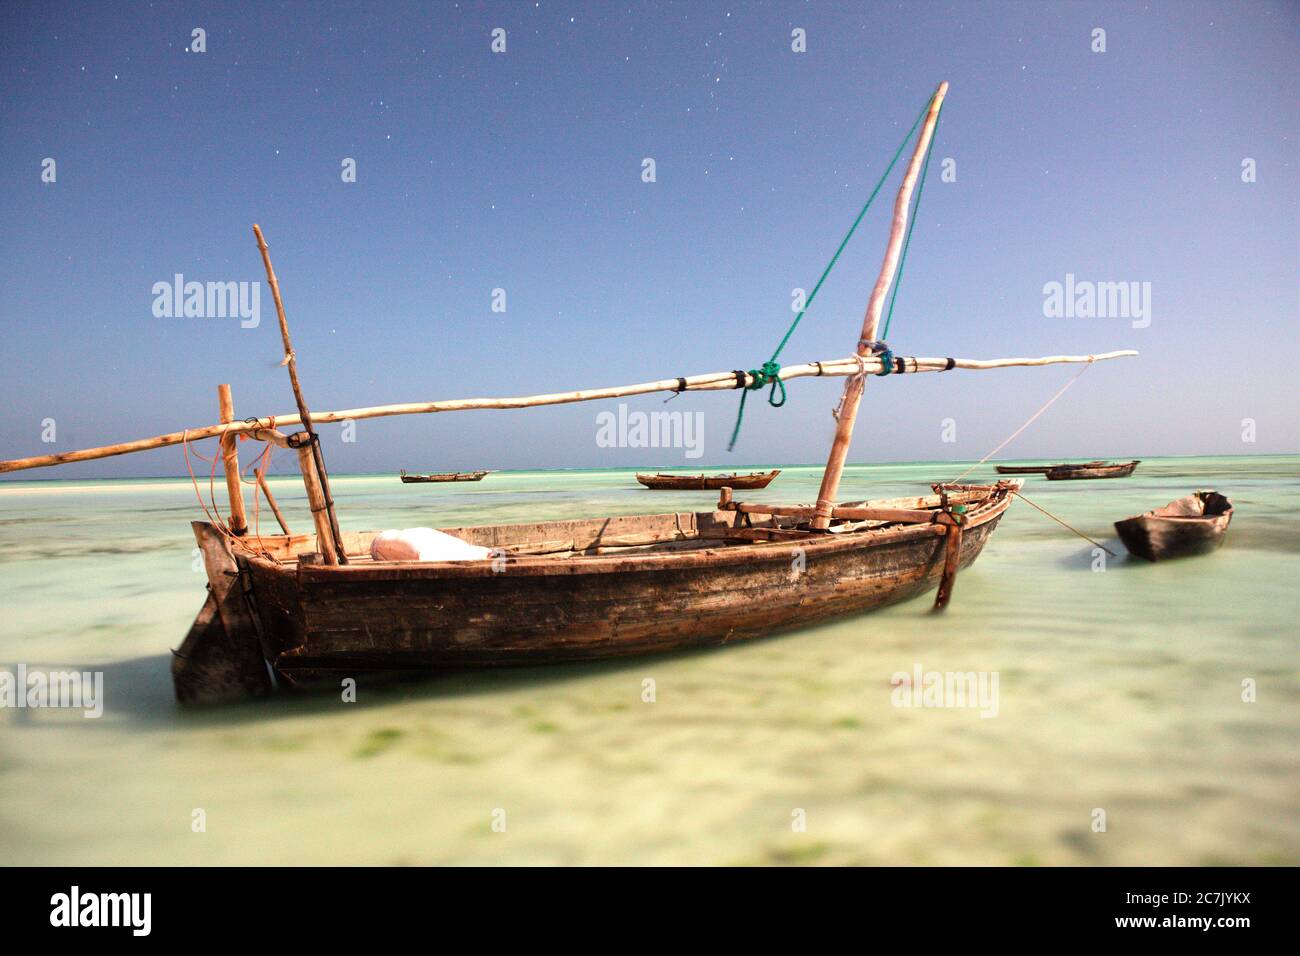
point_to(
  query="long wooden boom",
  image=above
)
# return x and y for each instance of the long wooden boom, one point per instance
(710, 382)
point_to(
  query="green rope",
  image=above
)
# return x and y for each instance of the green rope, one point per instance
(769, 373)
(911, 221)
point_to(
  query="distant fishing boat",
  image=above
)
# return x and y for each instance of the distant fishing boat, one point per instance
(445, 476)
(1186, 526)
(662, 482)
(1091, 470)
(292, 607)
(1035, 469)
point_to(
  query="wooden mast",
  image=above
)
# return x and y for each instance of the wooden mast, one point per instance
(230, 463)
(854, 387)
(319, 496)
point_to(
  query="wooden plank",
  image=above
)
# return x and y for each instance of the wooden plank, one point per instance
(904, 515)
(951, 559)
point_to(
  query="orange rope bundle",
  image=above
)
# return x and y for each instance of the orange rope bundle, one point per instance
(214, 515)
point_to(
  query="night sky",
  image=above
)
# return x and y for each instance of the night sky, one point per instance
(523, 171)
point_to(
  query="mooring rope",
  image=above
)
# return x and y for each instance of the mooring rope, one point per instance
(216, 520)
(1010, 438)
(1065, 525)
(214, 515)
(911, 221)
(1048, 404)
(768, 374)
(264, 461)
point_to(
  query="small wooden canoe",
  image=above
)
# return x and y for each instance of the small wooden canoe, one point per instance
(662, 482)
(1035, 469)
(1092, 470)
(1192, 525)
(446, 476)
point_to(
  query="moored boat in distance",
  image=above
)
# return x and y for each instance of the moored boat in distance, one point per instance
(662, 482)
(445, 476)
(1186, 526)
(1092, 470)
(1035, 469)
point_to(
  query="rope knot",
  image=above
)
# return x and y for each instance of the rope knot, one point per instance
(883, 350)
(769, 374)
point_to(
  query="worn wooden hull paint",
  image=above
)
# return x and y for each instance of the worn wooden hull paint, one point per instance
(449, 476)
(758, 479)
(1074, 472)
(1038, 469)
(690, 589)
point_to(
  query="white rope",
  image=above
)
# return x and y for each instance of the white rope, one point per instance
(1031, 420)
(860, 377)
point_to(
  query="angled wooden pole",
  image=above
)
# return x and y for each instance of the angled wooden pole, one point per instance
(264, 429)
(854, 387)
(230, 463)
(321, 476)
(270, 500)
(330, 552)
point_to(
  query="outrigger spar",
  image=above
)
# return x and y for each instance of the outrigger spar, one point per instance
(307, 607)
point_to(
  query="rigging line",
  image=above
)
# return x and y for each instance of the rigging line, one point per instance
(1064, 525)
(768, 373)
(1030, 421)
(911, 221)
(849, 235)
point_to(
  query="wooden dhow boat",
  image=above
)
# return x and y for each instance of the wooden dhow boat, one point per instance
(662, 482)
(1091, 470)
(1187, 526)
(576, 590)
(287, 609)
(445, 476)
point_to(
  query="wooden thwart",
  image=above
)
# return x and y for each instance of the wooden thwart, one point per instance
(901, 515)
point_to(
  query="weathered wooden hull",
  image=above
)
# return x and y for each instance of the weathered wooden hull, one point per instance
(451, 476)
(1075, 472)
(504, 620)
(589, 590)
(707, 482)
(560, 591)
(1157, 537)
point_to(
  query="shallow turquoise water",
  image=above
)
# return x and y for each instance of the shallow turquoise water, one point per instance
(1119, 689)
